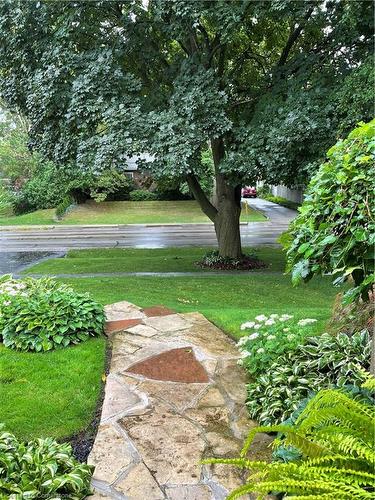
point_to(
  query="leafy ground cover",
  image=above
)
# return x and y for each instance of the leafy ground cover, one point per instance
(144, 260)
(125, 212)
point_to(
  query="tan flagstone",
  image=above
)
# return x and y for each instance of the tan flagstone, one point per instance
(166, 324)
(170, 445)
(119, 399)
(139, 484)
(111, 454)
(196, 492)
(177, 395)
(143, 330)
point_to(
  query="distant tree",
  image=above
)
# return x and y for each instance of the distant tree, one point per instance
(263, 82)
(16, 160)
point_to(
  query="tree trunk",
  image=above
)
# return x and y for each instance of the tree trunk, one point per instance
(227, 228)
(228, 205)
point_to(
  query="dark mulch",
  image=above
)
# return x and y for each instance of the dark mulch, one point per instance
(83, 441)
(247, 263)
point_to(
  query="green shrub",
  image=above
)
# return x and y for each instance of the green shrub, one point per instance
(45, 189)
(271, 337)
(335, 230)
(41, 314)
(6, 202)
(281, 201)
(142, 195)
(318, 363)
(334, 436)
(111, 185)
(63, 207)
(39, 469)
(264, 191)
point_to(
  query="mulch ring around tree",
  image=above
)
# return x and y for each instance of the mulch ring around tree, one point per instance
(247, 262)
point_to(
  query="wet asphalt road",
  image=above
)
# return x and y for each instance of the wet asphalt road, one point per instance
(20, 247)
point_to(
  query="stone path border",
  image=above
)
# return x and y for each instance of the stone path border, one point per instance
(153, 433)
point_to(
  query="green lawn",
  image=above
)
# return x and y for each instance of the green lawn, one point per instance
(138, 260)
(40, 217)
(55, 393)
(50, 394)
(227, 300)
(125, 212)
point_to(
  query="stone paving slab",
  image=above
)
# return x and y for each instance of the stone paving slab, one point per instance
(153, 433)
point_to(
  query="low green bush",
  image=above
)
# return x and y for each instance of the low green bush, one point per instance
(316, 364)
(6, 202)
(63, 207)
(142, 195)
(111, 185)
(271, 336)
(39, 469)
(264, 191)
(41, 314)
(45, 189)
(281, 201)
(334, 437)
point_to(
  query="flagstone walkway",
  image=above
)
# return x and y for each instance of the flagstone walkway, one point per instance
(174, 394)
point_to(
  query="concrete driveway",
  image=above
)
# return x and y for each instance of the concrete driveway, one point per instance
(20, 246)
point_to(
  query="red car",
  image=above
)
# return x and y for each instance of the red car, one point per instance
(249, 192)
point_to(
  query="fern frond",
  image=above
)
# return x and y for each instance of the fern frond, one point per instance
(335, 436)
(349, 445)
(243, 463)
(339, 416)
(292, 437)
(329, 398)
(346, 462)
(368, 379)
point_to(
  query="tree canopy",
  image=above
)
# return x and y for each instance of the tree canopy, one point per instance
(268, 84)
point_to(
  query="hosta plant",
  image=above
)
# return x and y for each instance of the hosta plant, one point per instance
(39, 469)
(335, 439)
(41, 314)
(318, 363)
(269, 337)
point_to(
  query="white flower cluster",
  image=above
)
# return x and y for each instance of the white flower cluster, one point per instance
(267, 321)
(306, 321)
(259, 327)
(12, 288)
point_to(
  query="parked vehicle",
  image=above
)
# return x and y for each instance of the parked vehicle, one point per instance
(249, 192)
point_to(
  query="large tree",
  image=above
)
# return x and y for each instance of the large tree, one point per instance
(262, 82)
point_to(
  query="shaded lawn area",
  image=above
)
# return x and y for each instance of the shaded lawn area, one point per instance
(56, 393)
(126, 212)
(144, 260)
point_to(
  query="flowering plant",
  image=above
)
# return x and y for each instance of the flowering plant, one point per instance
(270, 337)
(40, 315)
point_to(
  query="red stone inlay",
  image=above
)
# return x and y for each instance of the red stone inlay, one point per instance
(176, 365)
(158, 311)
(121, 324)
